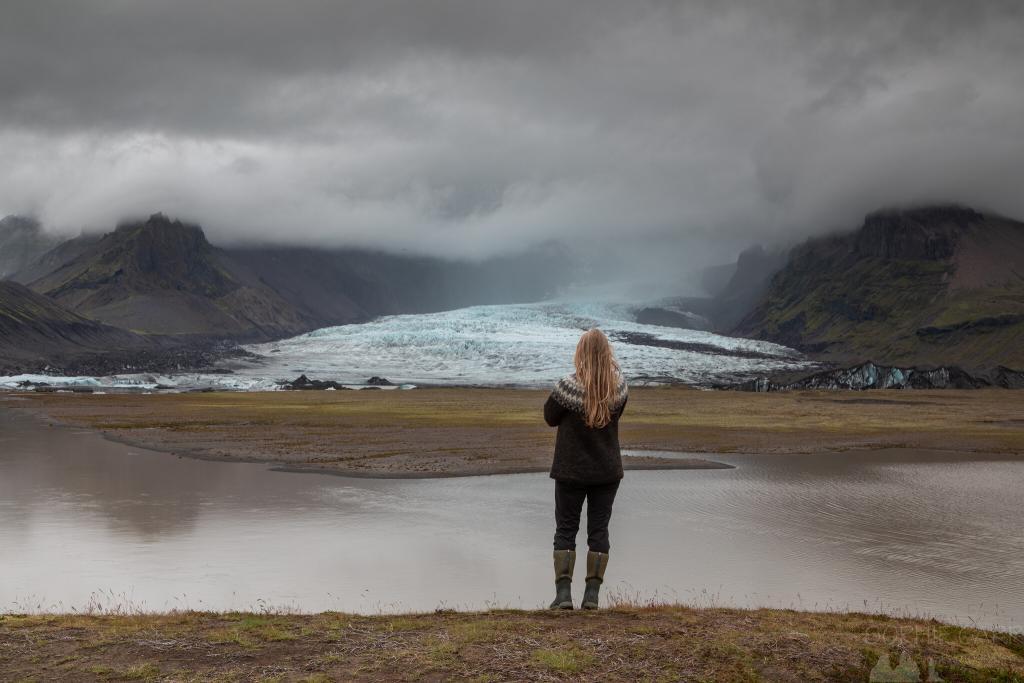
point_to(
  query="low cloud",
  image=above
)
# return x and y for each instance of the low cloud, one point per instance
(680, 131)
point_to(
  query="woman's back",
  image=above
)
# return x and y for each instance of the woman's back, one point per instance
(584, 454)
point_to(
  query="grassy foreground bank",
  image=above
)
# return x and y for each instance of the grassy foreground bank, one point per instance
(464, 431)
(621, 644)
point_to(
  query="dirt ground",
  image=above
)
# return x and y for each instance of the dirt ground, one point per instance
(621, 644)
(465, 431)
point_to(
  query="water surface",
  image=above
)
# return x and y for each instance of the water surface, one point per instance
(86, 521)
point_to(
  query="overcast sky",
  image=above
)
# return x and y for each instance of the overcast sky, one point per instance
(475, 127)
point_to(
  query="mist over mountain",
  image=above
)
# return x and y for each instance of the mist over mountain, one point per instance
(21, 242)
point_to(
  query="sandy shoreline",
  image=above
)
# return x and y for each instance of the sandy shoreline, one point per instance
(447, 432)
(155, 439)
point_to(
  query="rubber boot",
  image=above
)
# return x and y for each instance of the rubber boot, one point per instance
(565, 560)
(596, 563)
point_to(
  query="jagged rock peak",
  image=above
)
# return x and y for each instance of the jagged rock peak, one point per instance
(16, 222)
(159, 222)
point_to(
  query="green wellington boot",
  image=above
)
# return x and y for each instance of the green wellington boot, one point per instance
(596, 563)
(565, 560)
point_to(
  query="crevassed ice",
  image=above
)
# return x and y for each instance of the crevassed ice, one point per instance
(524, 344)
(520, 345)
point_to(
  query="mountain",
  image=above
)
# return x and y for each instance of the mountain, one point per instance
(755, 267)
(933, 285)
(33, 328)
(21, 242)
(714, 279)
(163, 277)
(54, 258)
(336, 286)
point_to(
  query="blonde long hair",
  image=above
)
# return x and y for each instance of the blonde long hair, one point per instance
(598, 374)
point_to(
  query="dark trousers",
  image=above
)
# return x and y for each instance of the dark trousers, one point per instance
(569, 504)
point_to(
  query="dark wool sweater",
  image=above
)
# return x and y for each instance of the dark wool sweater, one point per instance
(584, 455)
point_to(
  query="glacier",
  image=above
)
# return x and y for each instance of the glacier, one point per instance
(525, 345)
(520, 345)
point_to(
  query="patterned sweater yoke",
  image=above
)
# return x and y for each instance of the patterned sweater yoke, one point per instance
(569, 393)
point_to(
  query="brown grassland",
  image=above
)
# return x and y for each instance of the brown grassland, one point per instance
(465, 431)
(619, 644)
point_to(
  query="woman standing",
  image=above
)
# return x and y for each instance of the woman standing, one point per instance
(586, 407)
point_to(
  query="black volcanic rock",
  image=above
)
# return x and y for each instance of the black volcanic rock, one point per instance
(873, 376)
(303, 383)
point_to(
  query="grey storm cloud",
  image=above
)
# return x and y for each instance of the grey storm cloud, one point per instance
(471, 128)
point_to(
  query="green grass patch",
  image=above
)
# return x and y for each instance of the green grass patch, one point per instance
(568, 661)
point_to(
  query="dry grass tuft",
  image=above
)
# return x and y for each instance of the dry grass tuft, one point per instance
(623, 644)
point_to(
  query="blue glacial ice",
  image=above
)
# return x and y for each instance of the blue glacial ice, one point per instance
(522, 345)
(517, 345)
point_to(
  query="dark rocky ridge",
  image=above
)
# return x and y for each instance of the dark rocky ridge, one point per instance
(928, 233)
(37, 335)
(33, 326)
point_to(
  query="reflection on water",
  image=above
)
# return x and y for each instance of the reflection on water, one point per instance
(926, 533)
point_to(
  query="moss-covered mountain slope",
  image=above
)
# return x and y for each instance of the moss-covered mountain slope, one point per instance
(935, 285)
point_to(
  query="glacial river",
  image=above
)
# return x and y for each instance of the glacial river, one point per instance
(88, 523)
